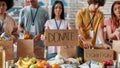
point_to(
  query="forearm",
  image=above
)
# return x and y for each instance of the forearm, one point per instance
(20, 28)
(100, 33)
(111, 36)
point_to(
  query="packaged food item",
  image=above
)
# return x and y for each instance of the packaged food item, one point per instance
(5, 36)
(10, 64)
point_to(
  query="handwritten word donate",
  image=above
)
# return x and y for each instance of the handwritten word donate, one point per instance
(61, 37)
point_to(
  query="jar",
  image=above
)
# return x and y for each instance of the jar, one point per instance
(118, 61)
(2, 57)
(10, 64)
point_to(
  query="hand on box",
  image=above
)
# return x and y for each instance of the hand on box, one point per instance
(107, 46)
(117, 33)
(87, 44)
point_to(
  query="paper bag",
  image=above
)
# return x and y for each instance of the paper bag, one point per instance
(25, 48)
(9, 49)
(68, 51)
(116, 47)
(39, 51)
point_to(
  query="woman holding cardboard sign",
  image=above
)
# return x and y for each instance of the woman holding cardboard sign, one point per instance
(8, 27)
(89, 21)
(113, 23)
(57, 22)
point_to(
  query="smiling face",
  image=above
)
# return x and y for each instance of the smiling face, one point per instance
(116, 10)
(58, 10)
(3, 7)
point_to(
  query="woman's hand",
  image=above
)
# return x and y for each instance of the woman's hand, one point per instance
(42, 37)
(107, 46)
(117, 33)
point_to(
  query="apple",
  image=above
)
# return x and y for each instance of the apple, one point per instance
(109, 62)
(47, 66)
(33, 66)
(104, 62)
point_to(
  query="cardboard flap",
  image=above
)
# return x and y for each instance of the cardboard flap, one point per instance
(61, 37)
(9, 49)
(25, 48)
(39, 51)
(116, 47)
(67, 51)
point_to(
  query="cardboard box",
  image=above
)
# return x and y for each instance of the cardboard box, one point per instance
(116, 48)
(98, 54)
(9, 49)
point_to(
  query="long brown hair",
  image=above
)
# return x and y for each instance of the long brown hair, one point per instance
(115, 20)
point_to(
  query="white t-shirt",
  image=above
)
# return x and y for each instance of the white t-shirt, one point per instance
(52, 25)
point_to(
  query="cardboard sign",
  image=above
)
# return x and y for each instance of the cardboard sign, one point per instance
(98, 54)
(39, 51)
(61, 37)
(25, 48)
(9, 49)
(116, 47)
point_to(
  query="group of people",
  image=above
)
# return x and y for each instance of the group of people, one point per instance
(89, 22)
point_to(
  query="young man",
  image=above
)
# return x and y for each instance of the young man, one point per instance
(32, 19)
(89, 21)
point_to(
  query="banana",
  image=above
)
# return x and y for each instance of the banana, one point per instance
(80, 60)
(26, 63)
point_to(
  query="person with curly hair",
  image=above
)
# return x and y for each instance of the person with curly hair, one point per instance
(7, 23)
(90, 21)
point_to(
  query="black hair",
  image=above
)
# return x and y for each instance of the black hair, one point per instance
(9, 3)
(100, 2)
(53, 7)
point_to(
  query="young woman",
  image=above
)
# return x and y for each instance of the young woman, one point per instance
(7, 23)
(89, 21)
(113, 23)
(58, 22)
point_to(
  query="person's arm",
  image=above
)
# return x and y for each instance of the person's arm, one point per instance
(78, 25)
(20, 22)
(111, 34)
(100, 33)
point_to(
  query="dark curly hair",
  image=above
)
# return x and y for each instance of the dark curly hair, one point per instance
(100, 2)
(9, 3)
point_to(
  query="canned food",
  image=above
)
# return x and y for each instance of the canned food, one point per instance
(4, 35)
